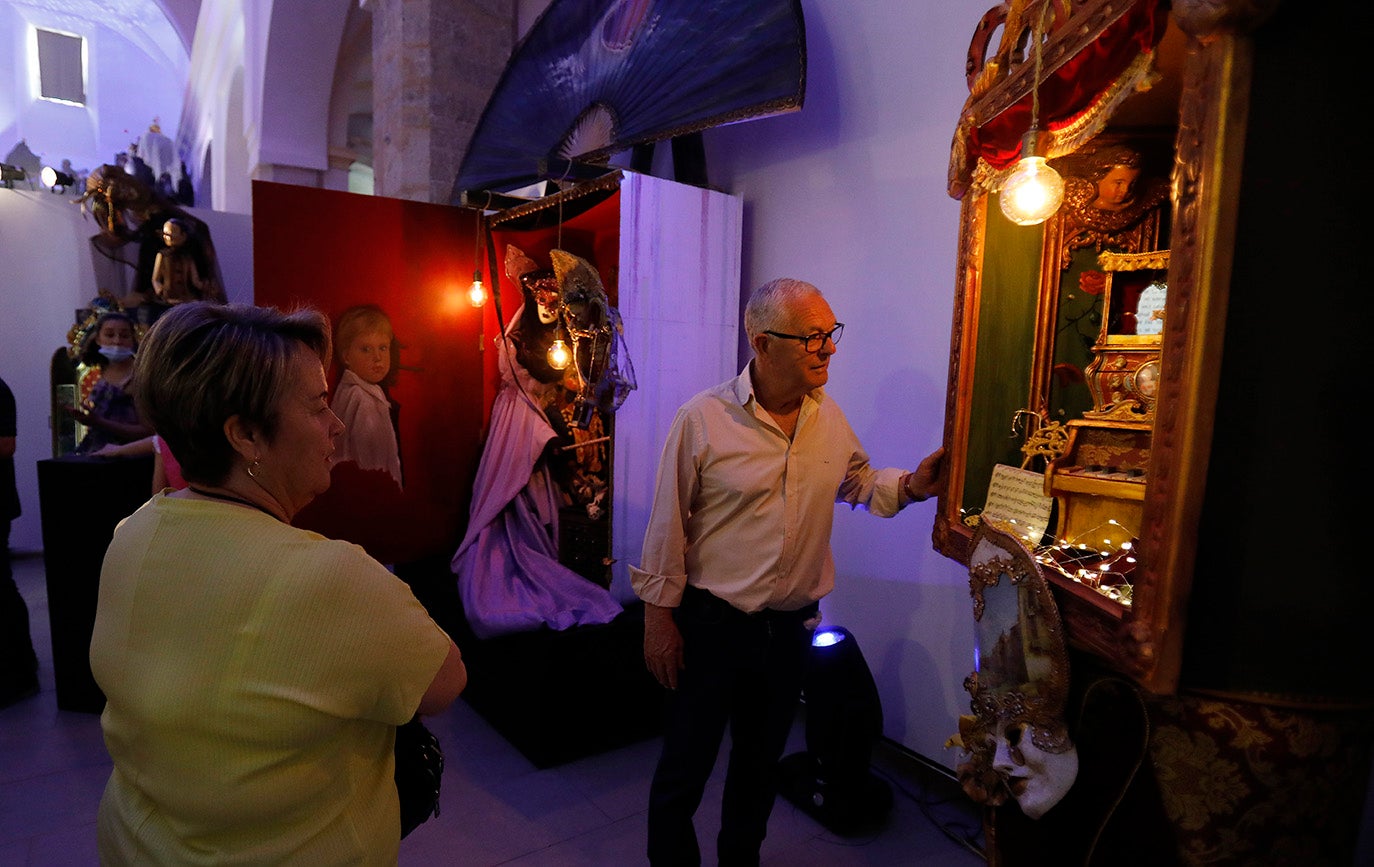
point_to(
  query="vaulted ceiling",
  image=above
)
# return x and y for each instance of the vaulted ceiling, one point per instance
(162, 28)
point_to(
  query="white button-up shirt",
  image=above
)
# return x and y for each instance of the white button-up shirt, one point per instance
(745, 513)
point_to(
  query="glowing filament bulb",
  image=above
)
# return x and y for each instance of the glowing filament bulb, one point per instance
(559, 356)
(477, 293)
(1032, 192)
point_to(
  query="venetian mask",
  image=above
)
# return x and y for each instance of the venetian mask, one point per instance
(1017, 740)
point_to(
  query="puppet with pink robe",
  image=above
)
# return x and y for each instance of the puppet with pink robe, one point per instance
(509, 575)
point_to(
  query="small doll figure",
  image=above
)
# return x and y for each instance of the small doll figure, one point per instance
(176, 277)
(108, 412)
(366, 351)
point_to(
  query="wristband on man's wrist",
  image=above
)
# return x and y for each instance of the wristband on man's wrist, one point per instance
(910, 494)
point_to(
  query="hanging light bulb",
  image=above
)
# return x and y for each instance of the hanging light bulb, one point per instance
(1033, 191)
(558, 355)
(477, 293)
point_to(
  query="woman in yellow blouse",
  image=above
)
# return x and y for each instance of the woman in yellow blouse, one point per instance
(255, 673)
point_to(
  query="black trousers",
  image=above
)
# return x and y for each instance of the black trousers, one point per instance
(18, 664)
(744, 670)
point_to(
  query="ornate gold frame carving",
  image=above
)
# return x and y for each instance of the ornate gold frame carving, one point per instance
(1146, 640)
(1022, 679)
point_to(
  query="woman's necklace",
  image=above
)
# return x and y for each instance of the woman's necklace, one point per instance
(231, 499)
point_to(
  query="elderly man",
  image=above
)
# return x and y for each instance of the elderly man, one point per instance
(736, 558)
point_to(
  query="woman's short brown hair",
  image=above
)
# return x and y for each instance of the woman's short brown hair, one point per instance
(201, 363)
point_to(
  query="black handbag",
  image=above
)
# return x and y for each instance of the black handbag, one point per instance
(419, 770)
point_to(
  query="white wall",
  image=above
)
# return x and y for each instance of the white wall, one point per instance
(46, 275)
(678, 295)
(133, 76)
(849, 194)
(44, 279)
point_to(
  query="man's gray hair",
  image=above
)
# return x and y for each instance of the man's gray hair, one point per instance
(768, 307)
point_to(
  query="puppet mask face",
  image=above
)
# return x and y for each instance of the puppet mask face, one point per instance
(542, 287)
(1037, 779)
(173, 235)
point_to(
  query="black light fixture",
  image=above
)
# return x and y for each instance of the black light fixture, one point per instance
(9, 174)
(53, 178)
(832, 780)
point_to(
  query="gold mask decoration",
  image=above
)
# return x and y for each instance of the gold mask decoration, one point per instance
(1021, 685)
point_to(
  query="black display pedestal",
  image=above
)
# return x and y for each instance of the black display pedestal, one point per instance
(560, 696)
(81, 499)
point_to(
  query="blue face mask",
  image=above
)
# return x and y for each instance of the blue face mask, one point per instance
(116, 353)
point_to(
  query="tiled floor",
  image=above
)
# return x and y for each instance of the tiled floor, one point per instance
(497, 807)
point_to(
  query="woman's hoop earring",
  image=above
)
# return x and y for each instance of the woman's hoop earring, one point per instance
(253, 468)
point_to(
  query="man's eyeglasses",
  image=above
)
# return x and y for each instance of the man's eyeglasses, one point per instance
(814, 342)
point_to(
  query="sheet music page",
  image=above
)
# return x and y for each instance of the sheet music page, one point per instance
(1019, 495)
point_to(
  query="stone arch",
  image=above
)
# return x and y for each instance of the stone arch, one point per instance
(295, 85)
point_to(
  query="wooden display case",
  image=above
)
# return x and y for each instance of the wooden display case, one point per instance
(1030, 331)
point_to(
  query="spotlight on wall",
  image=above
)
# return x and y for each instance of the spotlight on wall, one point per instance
(53, 178)
(831, 780)
(9, 174)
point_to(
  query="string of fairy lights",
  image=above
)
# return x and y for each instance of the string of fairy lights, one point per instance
(1095, 559)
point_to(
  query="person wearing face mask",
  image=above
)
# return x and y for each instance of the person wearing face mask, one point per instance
(108, 412)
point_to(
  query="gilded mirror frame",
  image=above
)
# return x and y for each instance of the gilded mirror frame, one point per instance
(1022, 677)
(1143, 641)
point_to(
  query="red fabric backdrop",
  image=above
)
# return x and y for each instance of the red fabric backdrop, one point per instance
(332, 250)
(1073, 88)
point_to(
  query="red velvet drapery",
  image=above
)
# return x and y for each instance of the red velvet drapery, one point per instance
(1067, 94)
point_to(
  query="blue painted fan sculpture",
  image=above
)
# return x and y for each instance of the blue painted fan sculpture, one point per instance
(597, 77)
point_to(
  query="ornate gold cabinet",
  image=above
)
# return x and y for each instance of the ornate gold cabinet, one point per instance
(1218, 443)
(1099, 477)
(1035, 331)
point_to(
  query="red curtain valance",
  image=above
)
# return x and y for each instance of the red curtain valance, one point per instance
(1069, 93)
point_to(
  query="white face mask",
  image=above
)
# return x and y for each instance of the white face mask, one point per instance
(1036, 779)
(116, 353)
